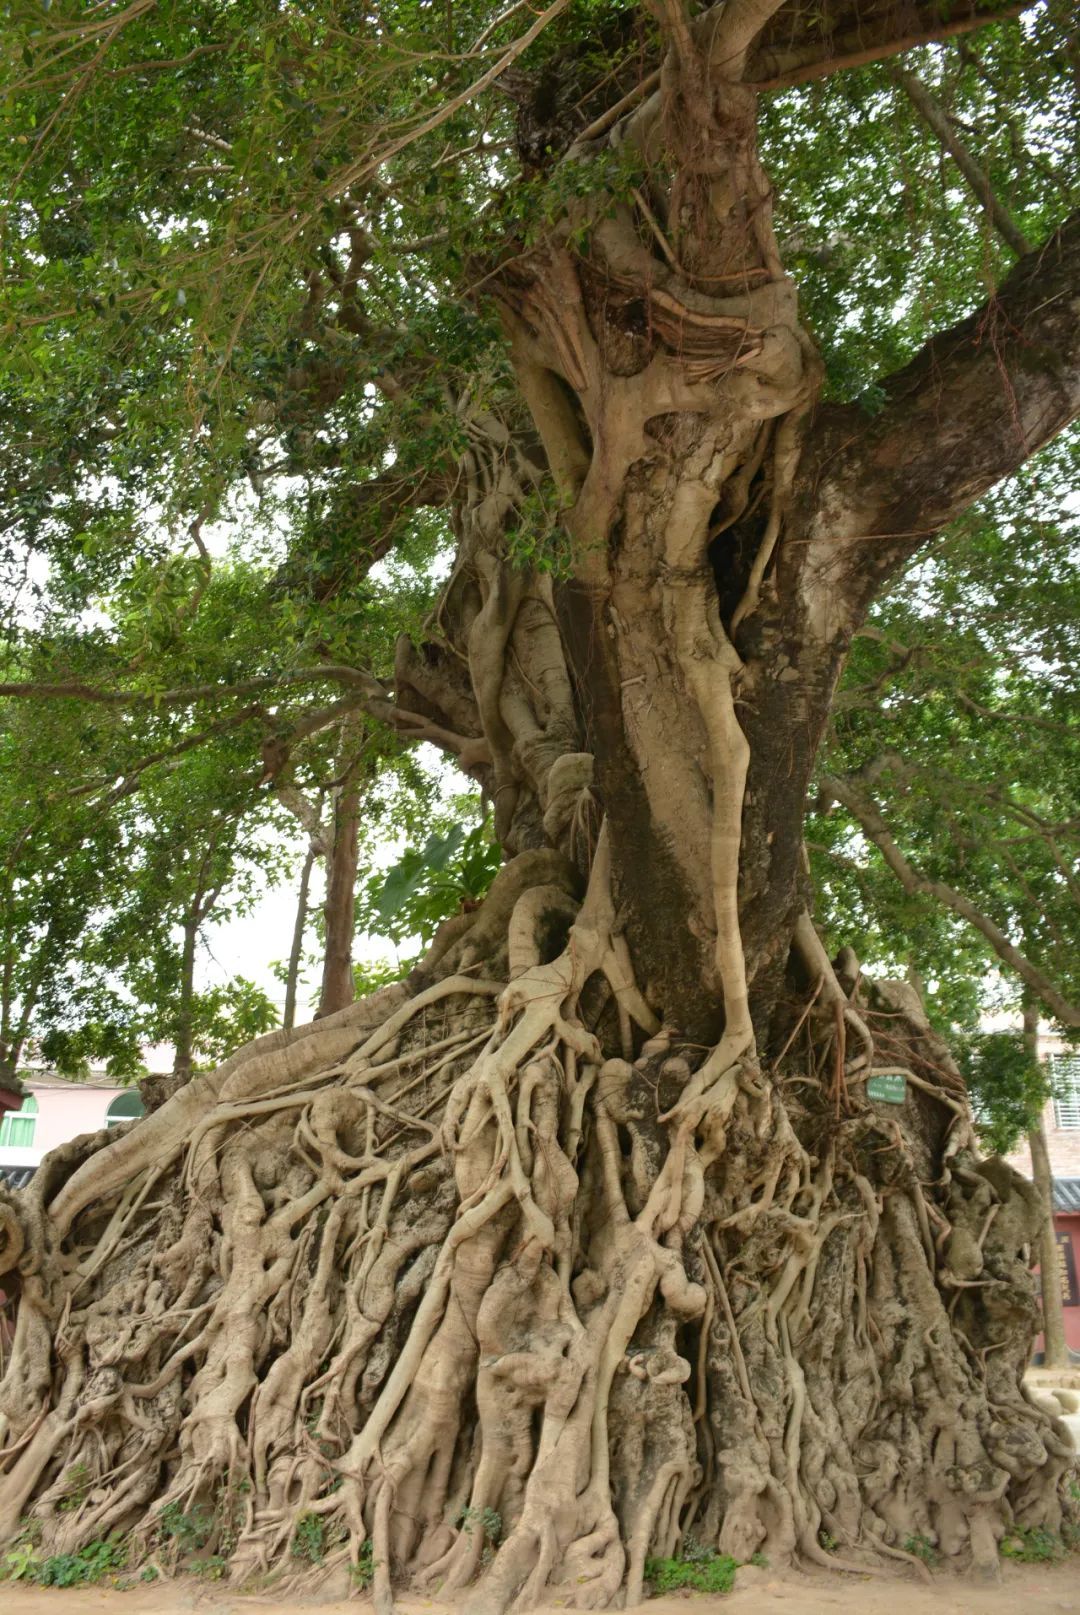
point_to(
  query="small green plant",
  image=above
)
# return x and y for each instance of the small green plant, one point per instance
(20, 1563)
(149, 1573)
(922, 1547)
(429, 884)
(90, 1564)
(759, 1561)
(190, 1531)
(487, 1520)
(309, 1539)
(706, 1572)
(212, 1568)
(1032, 1545)
(827, 1540)
(363, 1571)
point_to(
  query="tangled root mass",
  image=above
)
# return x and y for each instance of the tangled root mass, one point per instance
(484, 1285)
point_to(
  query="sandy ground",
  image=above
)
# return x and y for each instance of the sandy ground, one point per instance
(1025, 1590)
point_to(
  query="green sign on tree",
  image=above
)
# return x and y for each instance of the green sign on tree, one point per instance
(889, 1087)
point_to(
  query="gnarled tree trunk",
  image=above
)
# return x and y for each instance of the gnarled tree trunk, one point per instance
(587, 1239)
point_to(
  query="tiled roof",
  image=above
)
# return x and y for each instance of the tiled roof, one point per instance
(49, 1079)
(1067, 1194)
(39, 1077)
(16, 1177)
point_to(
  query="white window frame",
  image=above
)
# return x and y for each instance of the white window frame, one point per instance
(1065, 1077)
(128, 1097)
(11, 1132)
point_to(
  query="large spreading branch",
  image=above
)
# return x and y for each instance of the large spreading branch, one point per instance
(977, 402)
(807, 41)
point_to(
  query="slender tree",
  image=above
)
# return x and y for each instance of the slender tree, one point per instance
(588, 1235)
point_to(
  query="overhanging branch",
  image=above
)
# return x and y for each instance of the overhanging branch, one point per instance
(806, 41)
(970, 409)
(934, 117)
(867, 813)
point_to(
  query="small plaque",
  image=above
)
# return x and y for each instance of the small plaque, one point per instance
(890, 1089)
(1070, 1292)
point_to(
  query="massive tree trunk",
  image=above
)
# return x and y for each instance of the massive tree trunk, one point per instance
(587, 1239)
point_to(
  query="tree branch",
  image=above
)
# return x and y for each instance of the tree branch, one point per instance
(973, 406)
(186, 695)
(807, 41)
(866, 811)
(979, 181)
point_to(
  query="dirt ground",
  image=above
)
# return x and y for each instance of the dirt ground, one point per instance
(1025, 1590)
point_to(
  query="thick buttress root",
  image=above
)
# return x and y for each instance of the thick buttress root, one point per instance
(449, 1289)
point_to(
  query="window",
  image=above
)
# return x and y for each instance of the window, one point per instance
(124, 1107)
(17, 1126)
(1065, 1076)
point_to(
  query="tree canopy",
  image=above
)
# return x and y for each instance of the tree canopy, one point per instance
(249, 293)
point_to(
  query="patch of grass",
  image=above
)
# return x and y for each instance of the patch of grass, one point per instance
(309, 1539)
(705, 1572)
(922, 1547)
(1032, 1545)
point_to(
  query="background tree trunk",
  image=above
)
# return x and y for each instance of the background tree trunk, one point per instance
(338, 987)
(183, 1036)
(296, 951)
(1056, 1353)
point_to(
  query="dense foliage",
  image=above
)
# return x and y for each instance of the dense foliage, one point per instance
(234, 354)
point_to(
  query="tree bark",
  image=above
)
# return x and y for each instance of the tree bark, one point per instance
(1055, 1352)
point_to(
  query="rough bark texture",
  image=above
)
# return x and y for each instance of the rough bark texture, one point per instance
(587, 1240)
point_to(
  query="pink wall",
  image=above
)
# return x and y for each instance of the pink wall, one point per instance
(64, 1113)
